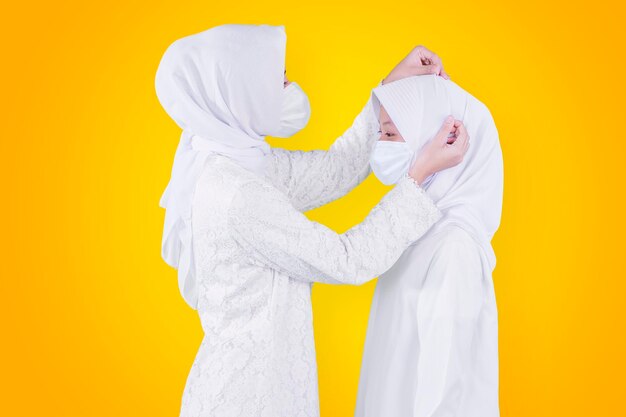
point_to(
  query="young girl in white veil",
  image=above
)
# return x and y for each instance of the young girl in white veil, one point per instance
(432, 341)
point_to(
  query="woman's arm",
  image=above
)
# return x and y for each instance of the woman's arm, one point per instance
(263, 221)
(313, 178)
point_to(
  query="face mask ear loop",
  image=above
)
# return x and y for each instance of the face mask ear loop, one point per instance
(430, 179)
(413, 159)
(465, 109)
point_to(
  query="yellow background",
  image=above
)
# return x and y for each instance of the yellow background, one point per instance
(92, 321)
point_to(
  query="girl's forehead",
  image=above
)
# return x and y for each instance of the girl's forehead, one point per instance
(384, 119)
(383, 115)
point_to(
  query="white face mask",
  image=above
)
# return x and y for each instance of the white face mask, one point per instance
(390, 160)
(295, 111)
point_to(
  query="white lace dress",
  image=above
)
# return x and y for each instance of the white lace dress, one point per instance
(257, 255)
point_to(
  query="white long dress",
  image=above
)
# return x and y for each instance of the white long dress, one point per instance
(256, 256)
(431, 348)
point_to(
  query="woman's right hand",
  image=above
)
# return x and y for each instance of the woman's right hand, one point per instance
(443, 151)
(420, 61)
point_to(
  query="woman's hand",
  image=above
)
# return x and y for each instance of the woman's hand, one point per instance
(445, 150)
(420, 61)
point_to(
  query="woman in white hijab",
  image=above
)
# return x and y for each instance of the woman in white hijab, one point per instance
(432, 340)
(246, 255)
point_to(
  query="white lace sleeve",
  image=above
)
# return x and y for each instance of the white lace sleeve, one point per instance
(313, 178)
(263, 221)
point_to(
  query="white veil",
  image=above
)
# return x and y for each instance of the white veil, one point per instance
(469, 194)
(224, 88)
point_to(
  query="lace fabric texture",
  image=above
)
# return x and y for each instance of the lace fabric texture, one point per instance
(256, 256)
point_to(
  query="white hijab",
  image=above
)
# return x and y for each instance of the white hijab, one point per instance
(224, 88)
(470, 194)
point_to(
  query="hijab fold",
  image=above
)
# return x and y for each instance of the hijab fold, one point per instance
(224, 88)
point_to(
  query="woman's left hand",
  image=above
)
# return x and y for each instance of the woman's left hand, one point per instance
(443, 151)
(420, 61)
